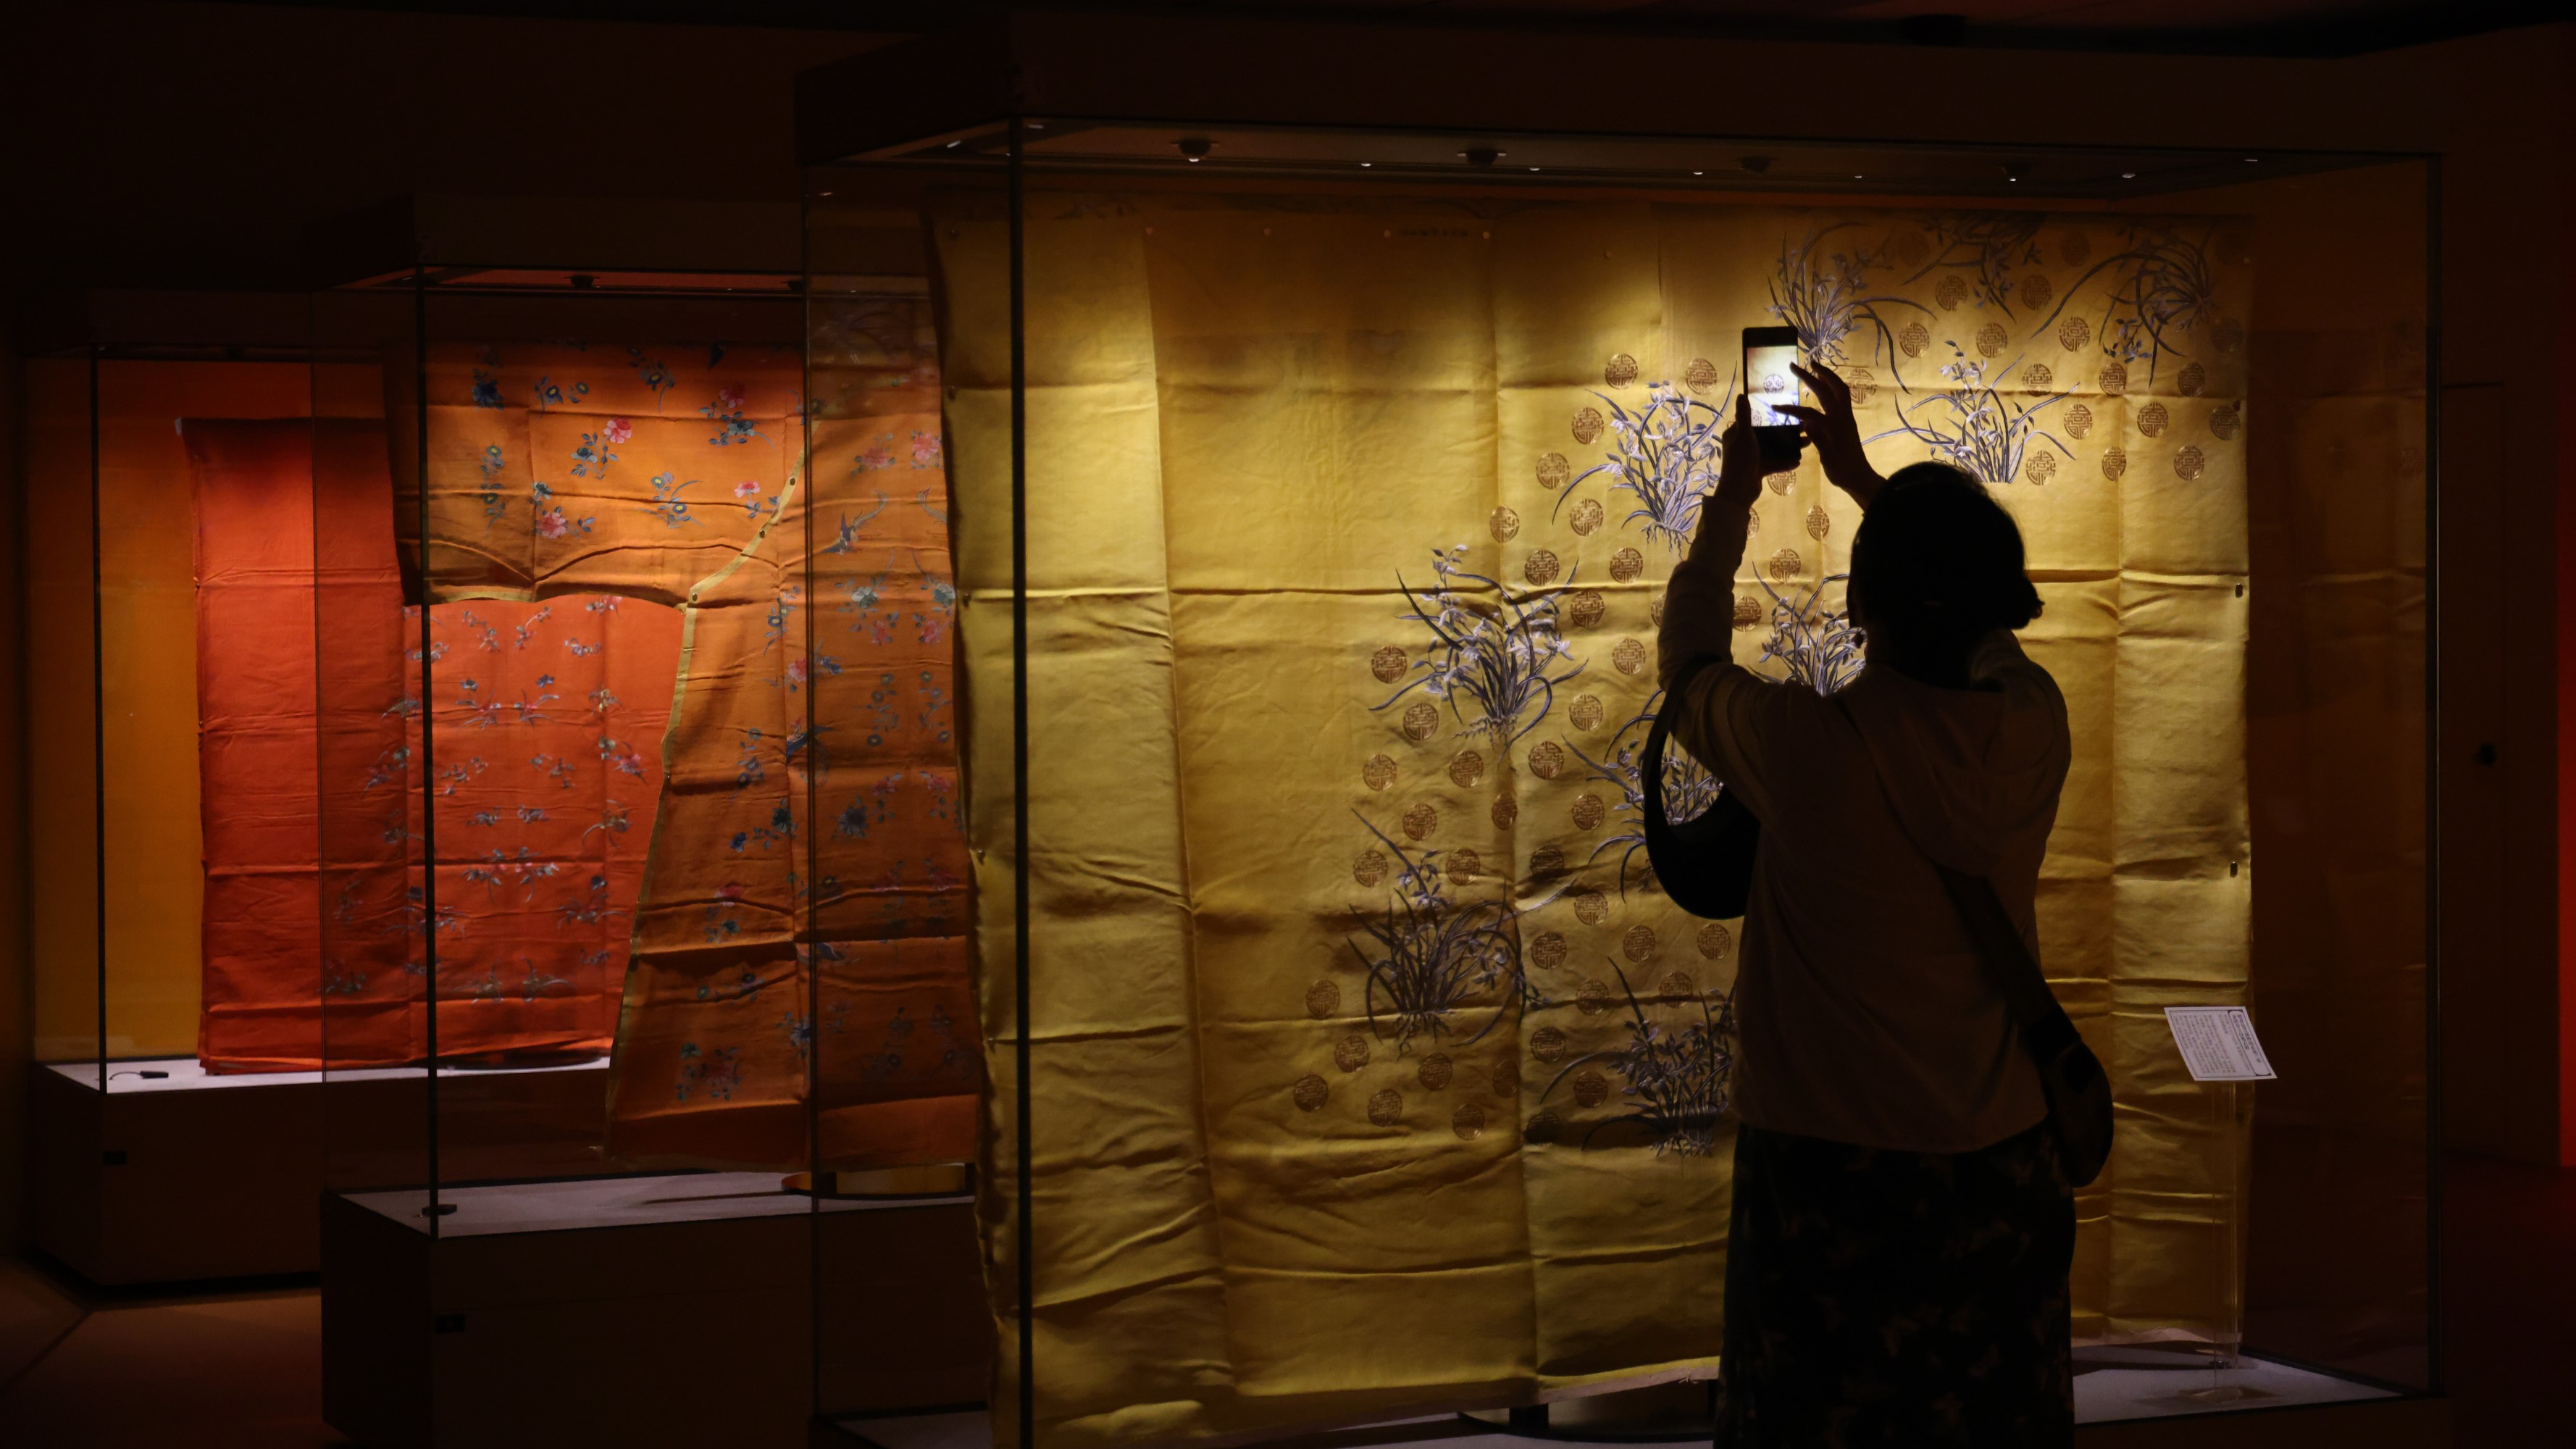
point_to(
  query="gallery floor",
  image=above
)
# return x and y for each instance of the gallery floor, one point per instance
(240, 1365)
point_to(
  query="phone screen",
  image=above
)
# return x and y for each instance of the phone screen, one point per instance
(1770, 384)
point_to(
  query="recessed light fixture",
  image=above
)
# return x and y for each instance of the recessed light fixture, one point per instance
(2128, 175)
(953, 145)
(1699, 173)
(1366, 165)
(2253, 160)
(1533, 168)
(1856, 176)
(1194, 149)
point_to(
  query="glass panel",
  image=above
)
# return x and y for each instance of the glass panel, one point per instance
(899, 1056)
(62, 798)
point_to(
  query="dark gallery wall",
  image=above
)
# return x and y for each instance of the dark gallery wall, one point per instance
(190, 145)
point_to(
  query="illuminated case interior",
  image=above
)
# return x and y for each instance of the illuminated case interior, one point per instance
(1254, 416)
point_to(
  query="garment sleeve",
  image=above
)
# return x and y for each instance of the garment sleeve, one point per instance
(1729, 718)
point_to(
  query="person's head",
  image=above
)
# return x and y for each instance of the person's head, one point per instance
(1935, 567)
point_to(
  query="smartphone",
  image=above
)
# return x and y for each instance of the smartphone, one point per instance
(1769, 352)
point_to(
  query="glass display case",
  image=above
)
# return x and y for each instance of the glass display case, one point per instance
(1313, 487)
(133, 1113)
(570, 729)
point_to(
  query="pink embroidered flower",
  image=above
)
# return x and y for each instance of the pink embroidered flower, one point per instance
(796, 670)
(618, 430)
(747, 488)
(875, 458)
(551, 523)
(925, 450)
(729, 399)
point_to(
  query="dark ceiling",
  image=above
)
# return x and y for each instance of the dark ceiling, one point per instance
(2244, 27)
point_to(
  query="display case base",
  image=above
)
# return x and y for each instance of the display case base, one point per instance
(665, 1309)
(2125, 1399)
(167, 1173)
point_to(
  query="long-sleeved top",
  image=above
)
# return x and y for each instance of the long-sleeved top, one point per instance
(1866, 1014)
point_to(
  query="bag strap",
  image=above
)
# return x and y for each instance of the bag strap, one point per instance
(1650, 765)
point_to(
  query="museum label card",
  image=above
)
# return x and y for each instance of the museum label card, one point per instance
(2218, 1044)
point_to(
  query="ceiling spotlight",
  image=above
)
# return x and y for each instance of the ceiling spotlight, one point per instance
(2013, 170)
(1699, 173)
(1194, 149)
(1482, 155)
(1856, 176)
(1366, 165)
(2253, 160)
(2128, 175)
(953, 145)
(1533, 168)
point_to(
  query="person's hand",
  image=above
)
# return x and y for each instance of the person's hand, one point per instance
(1836, 434)
(1739, 468)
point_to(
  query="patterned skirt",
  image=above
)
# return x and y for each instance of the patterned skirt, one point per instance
(1897, 1298)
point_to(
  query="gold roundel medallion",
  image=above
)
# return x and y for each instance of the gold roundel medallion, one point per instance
(1323, 999)
(1714, 941)
(1587, 425)
(1785, 565)
(2222, 423)
(1434, 1072)
(2194, 378)
(1585, 517)
(1309, 1092)
(1591, 907)
(1587, 812)
(1819, 523)
(1351, 1053)
(1547, 863)
(1468, 1121)
(1628, 656)
(1543, 1127)
(1678, 985)
(1862, 382)
(1747, 612)
(1464, 866)
(1466, 769)
(2074, 333)
(1420, 720)
(1540, 569)
(1591, 1089)
(2079, 421)
(1553, 470)
(2035, 291)
(1585, 712)
(1639, 944)
(1547, 759)
(2114, 379)
(1377, 772)
(1914, 339)
(1369, 868)
(1386, 1108)
(1701, 375)
(1388, 664)
(2152, 419)
(2115, 461)
(1505, 525)
(1420, 821)
(1626, 565)
(2188, 463)
(2037, 377)
(1506, 810)
(1594, 998)
(1781, 482)
(1950, 292)
(1547, 1044)
(2040, 467)
(1547, 951)
(1505, 1079)
(1586, 608)
(1620, 370)
(1991, 338)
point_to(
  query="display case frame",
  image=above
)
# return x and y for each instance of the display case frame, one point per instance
(1169, 107)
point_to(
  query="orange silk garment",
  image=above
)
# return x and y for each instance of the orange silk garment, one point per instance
(320, 794)
(800, 931)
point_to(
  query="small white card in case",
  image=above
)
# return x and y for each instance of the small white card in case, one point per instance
(2218, 1044)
